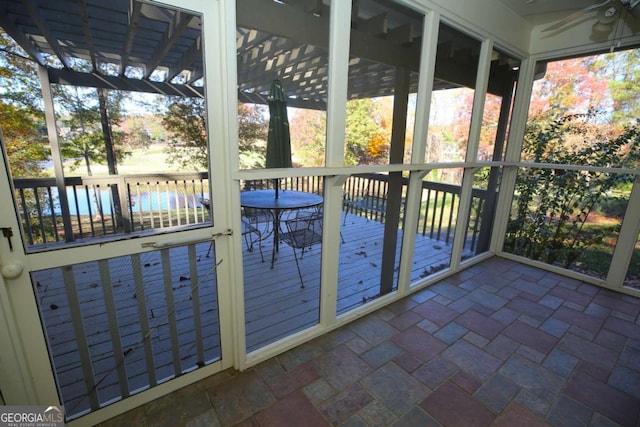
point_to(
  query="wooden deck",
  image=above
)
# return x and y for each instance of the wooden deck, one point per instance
(170, 297)
(275, 304)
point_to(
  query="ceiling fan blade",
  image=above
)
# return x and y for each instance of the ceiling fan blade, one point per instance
(564, 21)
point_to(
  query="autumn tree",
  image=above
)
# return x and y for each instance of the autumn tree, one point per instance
(308, 136)
(367, 134)
(21, 115)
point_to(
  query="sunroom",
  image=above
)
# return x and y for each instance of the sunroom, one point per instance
(122, 288)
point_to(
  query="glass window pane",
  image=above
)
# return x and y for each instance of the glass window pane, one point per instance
(452, 98)
(282, 247)
(131, 161)
(498, 106)
(384, 68)
(566, 218)
(590, 99)
(439, 203)
(284, 42)
(483, 199)
(371, 236)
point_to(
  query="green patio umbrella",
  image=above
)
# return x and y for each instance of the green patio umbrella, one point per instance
(279, 139)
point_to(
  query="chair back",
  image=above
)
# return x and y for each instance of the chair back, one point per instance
(304, 231)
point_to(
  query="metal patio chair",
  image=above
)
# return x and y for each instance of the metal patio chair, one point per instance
(302, 233)
(248, 229)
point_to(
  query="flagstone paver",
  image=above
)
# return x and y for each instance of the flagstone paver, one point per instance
(500, 344)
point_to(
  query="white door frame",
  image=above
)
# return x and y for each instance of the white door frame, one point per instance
(26, 374)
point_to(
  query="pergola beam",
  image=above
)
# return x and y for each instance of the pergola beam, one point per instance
(21, 38)
(87, 33)
(34, 12)
(178, 23)
(70, 77)
(191, 55)
(133, 15)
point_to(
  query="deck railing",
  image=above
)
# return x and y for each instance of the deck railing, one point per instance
(366, 195)
(103, 206)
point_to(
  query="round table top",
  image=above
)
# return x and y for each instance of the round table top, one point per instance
(266, 199)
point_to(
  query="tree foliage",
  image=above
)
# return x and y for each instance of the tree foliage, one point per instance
(367, 132)
(83, 140)
(185, 121)
(308, 140)
(23, 129)
(553, 205)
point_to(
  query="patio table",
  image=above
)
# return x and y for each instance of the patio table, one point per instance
(286, 201)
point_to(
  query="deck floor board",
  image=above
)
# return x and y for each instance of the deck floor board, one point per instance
(275, 303)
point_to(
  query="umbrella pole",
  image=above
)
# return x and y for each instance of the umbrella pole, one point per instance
(276, 183)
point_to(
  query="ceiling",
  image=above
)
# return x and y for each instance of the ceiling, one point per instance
(538, 12)
(139, 46)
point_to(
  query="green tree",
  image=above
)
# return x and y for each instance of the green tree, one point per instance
(308, 136)
(83, 141)
(552, 205)
(185, 120)
(367, 139)
(252, 134)
(623, 71)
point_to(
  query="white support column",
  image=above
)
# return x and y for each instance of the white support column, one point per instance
(420, 133)
(480, 95)
(56, 154)
(339, 35)
(627, 240)
(425, 86)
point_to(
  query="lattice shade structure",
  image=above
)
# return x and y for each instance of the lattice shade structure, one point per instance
(134, 46)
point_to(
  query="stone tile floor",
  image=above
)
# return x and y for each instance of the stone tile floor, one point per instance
(498, 344)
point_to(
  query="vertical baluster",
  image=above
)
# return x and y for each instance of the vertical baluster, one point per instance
(171, 310)
(88, 196)
(97, 194)
(158, 203)
(426, 211)
(26, 217)
(40, 215)
(176, 196)
(195, 301)
(434, 213)
(150, 207)
(130, 205)
(191, 205)
(451, 211)
(80, 336)
(476, 223)
(74, 192)
(112, 209)
(54, 218)
(140, 207)
(167, 198)
(141, 300)
(441, 214)
(114, 329)
(185, 201)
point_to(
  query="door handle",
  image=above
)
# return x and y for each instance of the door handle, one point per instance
(12, 269)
